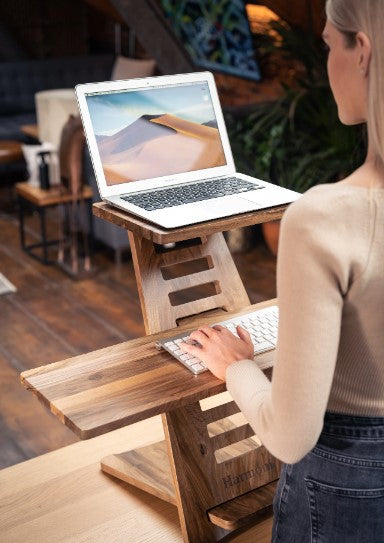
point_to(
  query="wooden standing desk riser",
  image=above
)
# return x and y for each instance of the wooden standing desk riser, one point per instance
(216, 465)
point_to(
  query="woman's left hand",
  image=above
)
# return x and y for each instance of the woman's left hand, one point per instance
(218, 348)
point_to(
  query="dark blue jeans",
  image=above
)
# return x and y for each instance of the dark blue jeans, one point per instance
(335, 494)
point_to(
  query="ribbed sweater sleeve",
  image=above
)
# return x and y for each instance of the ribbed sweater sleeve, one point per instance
(313, 276)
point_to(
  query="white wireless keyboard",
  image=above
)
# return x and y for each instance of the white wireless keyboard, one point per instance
(261, 324)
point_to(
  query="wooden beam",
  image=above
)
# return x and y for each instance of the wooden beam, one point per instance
(155, 34)
(303, 13)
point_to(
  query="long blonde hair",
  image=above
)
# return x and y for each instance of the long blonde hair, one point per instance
(350, 17)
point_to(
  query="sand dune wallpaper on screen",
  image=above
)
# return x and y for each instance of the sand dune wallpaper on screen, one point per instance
(141, 136)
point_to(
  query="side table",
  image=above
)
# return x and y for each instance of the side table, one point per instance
(40, 200)
(10, 151)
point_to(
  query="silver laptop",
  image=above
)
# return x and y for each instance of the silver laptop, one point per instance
(160, 150)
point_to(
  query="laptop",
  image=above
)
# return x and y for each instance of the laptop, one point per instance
(160, 150)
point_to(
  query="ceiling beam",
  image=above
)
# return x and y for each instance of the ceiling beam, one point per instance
(155, 34)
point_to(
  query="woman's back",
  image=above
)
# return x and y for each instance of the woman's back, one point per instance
(346, 224)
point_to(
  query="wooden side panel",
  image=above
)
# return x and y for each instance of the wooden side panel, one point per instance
(202, 483)
(155, 292)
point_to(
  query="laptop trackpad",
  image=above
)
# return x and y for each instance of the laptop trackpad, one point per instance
(221, 207)
(270, 196)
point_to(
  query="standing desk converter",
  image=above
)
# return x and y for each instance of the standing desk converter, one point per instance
(214, 470)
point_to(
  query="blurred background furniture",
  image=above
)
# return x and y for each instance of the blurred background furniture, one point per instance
(10, 151)
(20, 80)
(36, 98)
(76, 237)
(74, 199)
(39, 200)
(109, 234)
(53, 108)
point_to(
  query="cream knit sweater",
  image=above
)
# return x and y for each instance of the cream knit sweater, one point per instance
(330, 352)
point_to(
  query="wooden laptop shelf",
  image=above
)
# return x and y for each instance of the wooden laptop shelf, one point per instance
(157, 234)
(213, 468)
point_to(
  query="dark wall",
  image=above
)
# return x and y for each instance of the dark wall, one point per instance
(55, 28)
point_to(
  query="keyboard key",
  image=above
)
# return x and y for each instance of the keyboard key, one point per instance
(170, 345)
(198, 367)
(261, 324)
(185, 356)
(188, 193)
(264, 346)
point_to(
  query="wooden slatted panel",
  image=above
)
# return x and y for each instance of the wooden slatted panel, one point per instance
(228, 293)
(232, 436)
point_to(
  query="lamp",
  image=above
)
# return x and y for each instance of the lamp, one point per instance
(53, 108)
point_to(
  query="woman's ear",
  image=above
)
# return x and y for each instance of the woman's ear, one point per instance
(364, 47)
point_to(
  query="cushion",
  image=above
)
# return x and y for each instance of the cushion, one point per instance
(129, 68)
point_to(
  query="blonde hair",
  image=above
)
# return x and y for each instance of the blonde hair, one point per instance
(351, 17)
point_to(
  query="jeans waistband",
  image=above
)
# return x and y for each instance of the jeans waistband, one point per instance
(338, 424)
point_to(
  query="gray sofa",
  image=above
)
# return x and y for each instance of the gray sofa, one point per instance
(21, 79)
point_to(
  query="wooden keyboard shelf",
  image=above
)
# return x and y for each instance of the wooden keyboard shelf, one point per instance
(108, 389)
(211, 466)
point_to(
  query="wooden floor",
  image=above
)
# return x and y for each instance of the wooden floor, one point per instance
(52, 317)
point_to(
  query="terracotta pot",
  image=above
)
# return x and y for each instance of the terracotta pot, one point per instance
(271, 231)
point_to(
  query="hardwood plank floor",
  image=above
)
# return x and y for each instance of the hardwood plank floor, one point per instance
(52, 317)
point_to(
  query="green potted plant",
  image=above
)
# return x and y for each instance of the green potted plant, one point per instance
(296, 141)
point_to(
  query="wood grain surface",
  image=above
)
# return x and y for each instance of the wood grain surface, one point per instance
(173, 284)
(109, 388)
(160, 235)
(202, 483)
(105, 308)
(51, 196)
(63, 496)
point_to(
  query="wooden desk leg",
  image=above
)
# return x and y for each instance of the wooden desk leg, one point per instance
(193, 493)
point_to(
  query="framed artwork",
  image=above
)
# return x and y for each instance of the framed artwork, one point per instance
(216, 34)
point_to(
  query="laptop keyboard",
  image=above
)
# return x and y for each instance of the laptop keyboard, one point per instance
(192, 192)
(261, 324)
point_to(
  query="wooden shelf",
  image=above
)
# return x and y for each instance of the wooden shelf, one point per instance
(159, 235)
(107, 389)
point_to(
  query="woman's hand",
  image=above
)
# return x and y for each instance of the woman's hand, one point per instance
(217, 347)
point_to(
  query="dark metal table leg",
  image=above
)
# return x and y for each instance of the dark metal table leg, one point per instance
(91, 234)
(44, 243)
(21, 222)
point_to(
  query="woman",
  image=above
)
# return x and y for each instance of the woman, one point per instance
(323, 413)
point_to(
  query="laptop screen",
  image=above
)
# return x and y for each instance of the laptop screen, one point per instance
(146, 133)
